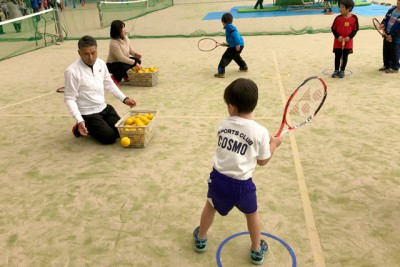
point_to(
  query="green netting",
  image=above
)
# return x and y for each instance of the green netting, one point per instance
(150, 19)
(27, 33)
(127, 10)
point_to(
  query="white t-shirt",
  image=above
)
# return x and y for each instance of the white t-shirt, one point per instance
(241, 142)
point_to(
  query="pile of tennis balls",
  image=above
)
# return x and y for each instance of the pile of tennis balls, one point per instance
(144, 70)
(139, 120)
(136, 123)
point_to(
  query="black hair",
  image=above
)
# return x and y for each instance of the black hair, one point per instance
(116, 28)
(348, 4)
(227, 18)
(243, 94)
(87, 41)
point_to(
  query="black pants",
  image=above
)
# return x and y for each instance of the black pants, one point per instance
(1, 28)
(17, 27)
(101, 126)
(341, 54)
(119, 69)
(259, 2)
(229, 55)
(391, 55)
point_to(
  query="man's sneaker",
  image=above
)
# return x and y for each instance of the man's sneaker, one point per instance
(391, 71)
(335, 74)
(75, 130)
(219, 75)
(384, 68)
(245, 68)
(257, 256)
(199, 243)
(341, 74)
(115, 81)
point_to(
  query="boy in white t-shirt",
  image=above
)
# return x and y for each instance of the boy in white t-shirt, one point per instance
(242, 144)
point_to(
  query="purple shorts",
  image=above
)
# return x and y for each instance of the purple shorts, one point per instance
(226, 193)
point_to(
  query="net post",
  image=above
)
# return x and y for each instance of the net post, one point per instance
(58, 25)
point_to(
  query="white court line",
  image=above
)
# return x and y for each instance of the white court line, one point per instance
(315, 242)
(27, 100)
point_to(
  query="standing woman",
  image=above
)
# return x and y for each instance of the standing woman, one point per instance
(121, 57)
(14, 12)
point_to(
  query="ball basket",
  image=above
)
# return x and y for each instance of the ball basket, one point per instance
(146, 79)
(139, 136)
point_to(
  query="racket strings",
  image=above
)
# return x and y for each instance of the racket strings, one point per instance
(207, 44)
(304, 105)
(377, 26)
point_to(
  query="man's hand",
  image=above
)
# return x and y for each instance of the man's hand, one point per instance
(130, 102)
(82, 129)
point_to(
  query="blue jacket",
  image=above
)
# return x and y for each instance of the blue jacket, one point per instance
(395, 30)
(233, 37)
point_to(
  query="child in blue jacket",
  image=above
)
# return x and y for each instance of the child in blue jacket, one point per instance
(391, 42)
(235, 44)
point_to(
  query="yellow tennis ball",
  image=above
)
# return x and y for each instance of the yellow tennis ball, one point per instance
(125, 141)
(129, 120)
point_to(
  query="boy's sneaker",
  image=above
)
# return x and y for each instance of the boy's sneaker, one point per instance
(75, 130)
(199, 244)
(126, 79)
(328, 13)
(391, 71)
(219, 75)
(341, 74)
(257, 256)
(245, 68)
(335, 74)
(384, 68)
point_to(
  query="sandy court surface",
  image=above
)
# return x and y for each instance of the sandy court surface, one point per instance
(68, 201)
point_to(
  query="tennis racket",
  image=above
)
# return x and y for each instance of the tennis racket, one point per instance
(208, 44)
(378, 27)
(303, 104)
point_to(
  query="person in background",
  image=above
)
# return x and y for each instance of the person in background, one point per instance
(121, 56)
(35, 5)
(259, 2)
(391, 42)
(344, 29)
(15, 12)
(327, 7)
(86, 81)
(4, 7)
(22, 7)
(2, 18)
(235, 44)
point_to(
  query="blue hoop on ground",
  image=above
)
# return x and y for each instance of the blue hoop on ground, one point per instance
(330, 71)
(294, 261)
